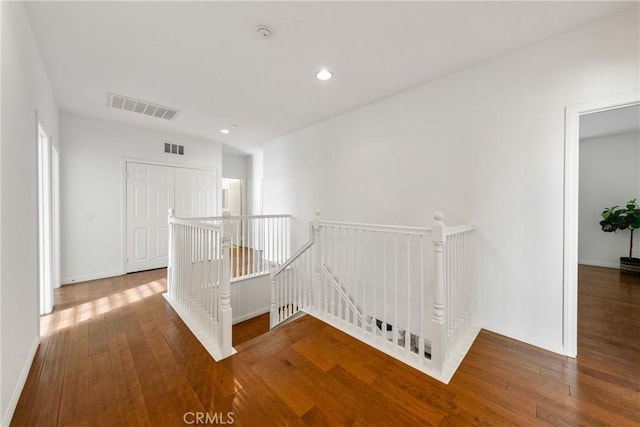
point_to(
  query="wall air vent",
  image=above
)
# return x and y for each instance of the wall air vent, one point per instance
(143, 107)
(172, 148)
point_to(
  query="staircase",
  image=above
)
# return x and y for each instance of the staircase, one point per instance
(403, 290)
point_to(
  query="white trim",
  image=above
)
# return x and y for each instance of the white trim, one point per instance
(123, 197)
(22, 379)
(90, 276)
(376, 227)
(251, 315)
(570, 224)
(55, 211)
(46, 279)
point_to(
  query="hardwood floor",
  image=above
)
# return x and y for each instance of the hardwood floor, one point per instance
(115, 353)
(245, 261)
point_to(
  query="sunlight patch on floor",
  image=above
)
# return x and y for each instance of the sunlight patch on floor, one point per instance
(73, 316)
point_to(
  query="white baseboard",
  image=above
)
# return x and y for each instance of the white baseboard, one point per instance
(22, 379)
(91, 276)
(599, 263)
(515, 335)
(251, 315)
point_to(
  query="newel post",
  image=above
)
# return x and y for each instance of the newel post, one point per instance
(171, 255)
(438, 346)
(317, 262)
(225, 316)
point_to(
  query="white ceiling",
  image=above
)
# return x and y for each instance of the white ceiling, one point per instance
(205, 59)
(618, 121)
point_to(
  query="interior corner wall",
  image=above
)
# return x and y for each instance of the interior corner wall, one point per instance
(234, 166)
(609, 171)
(92, 187)
(25, 90)
(484, 145)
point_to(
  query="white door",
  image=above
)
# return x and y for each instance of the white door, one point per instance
(234, 197)
(150, 194)
(195, 193)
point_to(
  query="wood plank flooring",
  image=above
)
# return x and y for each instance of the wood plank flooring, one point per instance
(115, 353)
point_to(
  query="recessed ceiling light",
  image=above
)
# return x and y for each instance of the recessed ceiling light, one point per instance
(224, 130)
(324, 74)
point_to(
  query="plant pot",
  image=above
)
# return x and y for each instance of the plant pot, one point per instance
(630, 266)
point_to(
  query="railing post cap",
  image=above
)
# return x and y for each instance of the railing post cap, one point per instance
(438, 216)
(316, 220)
(172, 211)
(226, 214)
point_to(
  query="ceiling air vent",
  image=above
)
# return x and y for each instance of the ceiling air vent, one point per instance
(143, 107)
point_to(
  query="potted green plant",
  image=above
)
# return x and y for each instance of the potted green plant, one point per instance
(625, 218)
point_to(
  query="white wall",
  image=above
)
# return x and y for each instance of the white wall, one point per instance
(92, 187)
(25, 89)
(609, 171)
(484, 145)
(234, 166)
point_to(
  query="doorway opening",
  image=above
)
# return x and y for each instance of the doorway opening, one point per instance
(232, 196)
(571, 209)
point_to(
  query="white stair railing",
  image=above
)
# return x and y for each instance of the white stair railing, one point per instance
(291, 282)
(352, 308)
(259, 243)
(457, 285)
(384, 272)
(403, 290)
(198, 285)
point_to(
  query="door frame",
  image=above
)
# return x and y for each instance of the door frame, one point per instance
(46, 258)
(570, 221)
(55, 211)
(123, 195)
(243, 186)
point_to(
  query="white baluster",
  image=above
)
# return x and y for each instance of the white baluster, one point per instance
(395, 291)
(384, 285)
(422, 304)
(171, 256)
(374, 303)
(317, 258)
(273, 319)
(407, 334)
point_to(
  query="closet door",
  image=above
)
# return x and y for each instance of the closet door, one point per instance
(196, 193)
(150, 193)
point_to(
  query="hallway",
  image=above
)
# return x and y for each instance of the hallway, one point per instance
(115, 353)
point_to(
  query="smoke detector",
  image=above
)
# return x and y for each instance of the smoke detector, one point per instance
(264, 32)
